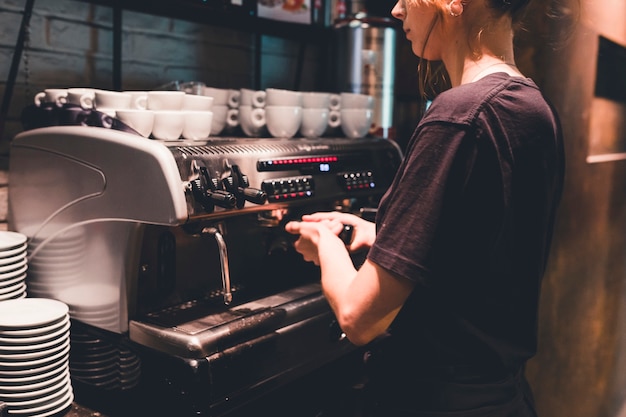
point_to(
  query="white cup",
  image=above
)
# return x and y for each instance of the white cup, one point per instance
(356, 123)
(315, 100)
(220, 113)
(109, 111)
(356, 101)
(335, 102)
(254, 98)
(283, 121)
(280, 97)
(168, 124)
(220, 95)
(141, 121)
(334, 119)
(83, 97)
(197, 103)
(252, 120)
(139, 99)
(233, 98)
(197, 124)
(57, 96)
(314, 122)
(165, 100)
(105, 99)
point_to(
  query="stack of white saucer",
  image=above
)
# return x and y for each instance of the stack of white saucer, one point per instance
(13, 265)
(34, 357)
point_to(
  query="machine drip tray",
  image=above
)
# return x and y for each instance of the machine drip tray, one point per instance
(209, 334)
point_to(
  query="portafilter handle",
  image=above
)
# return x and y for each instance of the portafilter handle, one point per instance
(221, 245)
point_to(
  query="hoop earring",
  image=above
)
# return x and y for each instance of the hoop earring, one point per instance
(459, 9)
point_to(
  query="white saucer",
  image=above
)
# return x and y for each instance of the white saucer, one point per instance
(33, 347)
(12, 267)
(12, 259)
(12, 281)
(44, 382)
(40, 404)
(13, 274)
(11, 240)
(27, 367)
(5, 292)
(34, 340)
(20, 250)
(45, 373)
(20, 359)
(36, 331)
(30, 312)
(18, 294)
(39, 393)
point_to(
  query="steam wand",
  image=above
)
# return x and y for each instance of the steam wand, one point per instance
(221, 244)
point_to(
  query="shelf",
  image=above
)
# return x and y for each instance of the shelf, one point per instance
(223, 14)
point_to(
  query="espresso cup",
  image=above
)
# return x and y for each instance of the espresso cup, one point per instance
(252, 120)
(220, 95)
(314, 122)
(83, 97)
(334, 119)
(283, 121)
(165, 100)
(56, 96)
(254, 98)
(315, 100)
(197, 124)
(139, 99)
(356, 101)
(197, 102)
(105, 99)
(141, 121)
(280, 97)
(233, 98)
(168, 124)
(356, 123)
(335, 102)
(220, 113)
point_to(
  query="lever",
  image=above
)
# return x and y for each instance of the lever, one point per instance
(221, 245)
(238, 184)
(206, 191)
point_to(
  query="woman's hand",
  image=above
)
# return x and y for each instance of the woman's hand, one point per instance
(364, 232)
(312, 235)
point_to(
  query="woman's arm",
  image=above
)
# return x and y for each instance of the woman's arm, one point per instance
(366, 301)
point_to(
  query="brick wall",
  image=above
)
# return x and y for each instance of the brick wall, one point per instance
(71, 45)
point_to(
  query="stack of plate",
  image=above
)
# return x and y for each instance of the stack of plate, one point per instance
(97, 362)
(34, 357)
(12, 265)
(55, 264)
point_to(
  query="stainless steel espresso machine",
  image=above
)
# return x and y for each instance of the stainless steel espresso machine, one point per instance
(183, 287)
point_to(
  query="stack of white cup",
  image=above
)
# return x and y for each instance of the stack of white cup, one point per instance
(283, 112)
(225, 109)
(315, 113)
(356, 114)
(252, 112)
(164, 115)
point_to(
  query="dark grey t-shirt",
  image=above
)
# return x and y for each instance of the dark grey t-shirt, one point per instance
(469, 218)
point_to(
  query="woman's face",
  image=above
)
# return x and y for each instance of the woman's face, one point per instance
(418, 22)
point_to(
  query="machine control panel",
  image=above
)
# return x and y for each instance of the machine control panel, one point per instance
(292, 188)
(359, 180)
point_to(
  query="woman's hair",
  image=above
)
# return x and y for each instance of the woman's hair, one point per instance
(433, 78)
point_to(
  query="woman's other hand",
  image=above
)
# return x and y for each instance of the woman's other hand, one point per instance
(364, 232)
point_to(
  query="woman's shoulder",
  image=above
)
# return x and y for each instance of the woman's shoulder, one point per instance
(463, 104)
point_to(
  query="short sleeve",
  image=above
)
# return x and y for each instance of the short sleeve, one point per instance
(436, 168)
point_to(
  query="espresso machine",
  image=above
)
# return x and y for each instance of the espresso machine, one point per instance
(181, 282)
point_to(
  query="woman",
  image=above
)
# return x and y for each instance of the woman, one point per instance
(447, 298)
